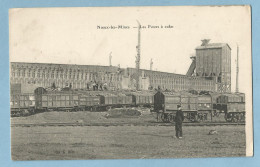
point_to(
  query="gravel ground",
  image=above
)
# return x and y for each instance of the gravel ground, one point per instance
(84, 117)
(93, 117)
(125, 142)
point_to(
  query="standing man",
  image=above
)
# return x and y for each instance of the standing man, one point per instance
(178, 122)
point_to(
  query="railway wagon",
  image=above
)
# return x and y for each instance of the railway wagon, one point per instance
(205, 107)
(165, 104)
(233, 105)
(109, 100)
(22, 104)
(80, 100)
(88, 102)
(57, 101)
(142, 99)
(66, 100)
(104, 100)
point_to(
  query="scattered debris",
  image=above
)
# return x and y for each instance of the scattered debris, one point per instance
(213, 132)
(121, 112)
(80, 121)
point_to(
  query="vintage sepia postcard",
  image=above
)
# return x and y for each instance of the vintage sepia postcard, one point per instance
(130, 82)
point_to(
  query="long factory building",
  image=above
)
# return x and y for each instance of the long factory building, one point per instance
(210, 70)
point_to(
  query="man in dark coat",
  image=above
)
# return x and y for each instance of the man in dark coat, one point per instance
(178, 122)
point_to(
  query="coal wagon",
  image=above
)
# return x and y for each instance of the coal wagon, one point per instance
(204, 107)
(115, 100)
(142, 99)
(66, 100)
(88, 102)
(165, 104)
(233, 105)
(22, 104)
(59, 101)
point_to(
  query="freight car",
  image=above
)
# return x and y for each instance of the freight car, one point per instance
(115, 100)
(142, 99)
(200, 107)
(233, 105)
(196, 107)
(22, 104)
(204, 107)
(43, 100)
(88, 102)
(55, 100)
(165, 104)
(80, 100)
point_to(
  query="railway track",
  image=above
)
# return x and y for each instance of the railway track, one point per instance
(126, 124)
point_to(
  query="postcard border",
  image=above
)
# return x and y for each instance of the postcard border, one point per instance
(5, 153)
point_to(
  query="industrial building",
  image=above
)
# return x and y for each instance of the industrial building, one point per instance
(213, 61)
(210, 70)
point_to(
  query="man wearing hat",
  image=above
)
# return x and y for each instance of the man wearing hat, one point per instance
(178, 122)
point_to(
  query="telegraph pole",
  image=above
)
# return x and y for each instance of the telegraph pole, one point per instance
(137, 61)
(110, 59)
(151, 64)
(237, 70)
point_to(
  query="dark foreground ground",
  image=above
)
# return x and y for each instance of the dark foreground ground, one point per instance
(120, 142)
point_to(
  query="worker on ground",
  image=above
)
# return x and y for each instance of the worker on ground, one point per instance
(178, 122)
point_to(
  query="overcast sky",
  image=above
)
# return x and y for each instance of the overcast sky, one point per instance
(71, 36)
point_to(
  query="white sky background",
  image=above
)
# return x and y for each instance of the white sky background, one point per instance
(70, 36)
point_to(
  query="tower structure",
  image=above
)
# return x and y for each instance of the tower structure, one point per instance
(137, 61)
(192, 67)
(213, 61)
